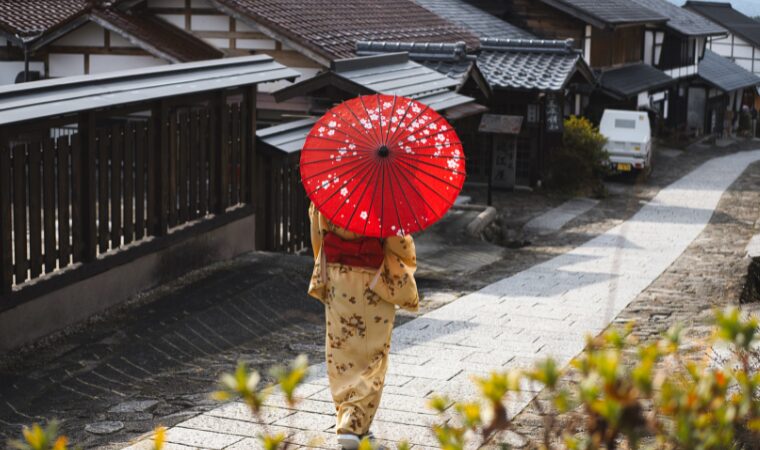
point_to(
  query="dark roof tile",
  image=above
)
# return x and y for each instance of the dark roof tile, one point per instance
(156, 36)
(628, 81)
(331, 28)
(27, 19)
(477, 21)
(608, 12)
(529, 64)
(682, 20)
(449, 59)
(724, 73)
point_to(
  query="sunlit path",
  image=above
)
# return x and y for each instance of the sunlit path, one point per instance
(546, 310)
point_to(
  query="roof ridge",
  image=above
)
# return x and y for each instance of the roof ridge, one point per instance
(529, 45)
(708, 3)
(428, 50)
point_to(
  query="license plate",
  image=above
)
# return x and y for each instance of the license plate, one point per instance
(624, 167)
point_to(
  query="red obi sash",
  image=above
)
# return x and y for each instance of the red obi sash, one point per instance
(362, 252)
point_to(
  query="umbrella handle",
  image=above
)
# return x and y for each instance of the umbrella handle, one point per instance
(374, 281)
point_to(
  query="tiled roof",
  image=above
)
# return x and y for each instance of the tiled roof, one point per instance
(391, 74)
(528, 64)
(156, 36)
(606, 13)
(27, 19)
(477, 21)
(449, 59)
(724, 73)
(329, 29)
(682, 20)
(629, 81)
(731, 19)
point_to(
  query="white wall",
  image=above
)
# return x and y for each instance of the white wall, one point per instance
(166, 3)
(9, 70)
(90, 34)
(738, 50)
(120, 42)
(64, 65)
(111, 63)
(275, 85)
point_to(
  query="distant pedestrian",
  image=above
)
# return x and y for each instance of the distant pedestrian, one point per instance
(728, 122)
(360, 280)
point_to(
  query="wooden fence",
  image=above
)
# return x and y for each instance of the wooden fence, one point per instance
(118, 179)
(285, 205)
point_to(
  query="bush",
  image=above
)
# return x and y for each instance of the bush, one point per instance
(675, 404)
(582, 162)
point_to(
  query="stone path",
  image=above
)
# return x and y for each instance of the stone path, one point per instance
(556, 218)
(543, 311)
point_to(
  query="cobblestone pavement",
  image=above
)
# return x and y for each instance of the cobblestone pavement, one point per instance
(546, 310)
(710, 273)
(156, 362)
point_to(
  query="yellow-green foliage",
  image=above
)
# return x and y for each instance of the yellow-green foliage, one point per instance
(245, 384)
(38, 438)
(581, 161)
(691, 405)
(613, 404)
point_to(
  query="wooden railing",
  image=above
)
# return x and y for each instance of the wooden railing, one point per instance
(115, 179)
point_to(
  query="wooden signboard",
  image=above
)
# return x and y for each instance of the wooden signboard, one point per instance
(501, 124)
(554, 117)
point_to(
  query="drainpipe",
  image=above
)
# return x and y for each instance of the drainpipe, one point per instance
(26, 63)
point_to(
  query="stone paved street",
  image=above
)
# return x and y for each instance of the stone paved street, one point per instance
(542, 311)
(155, 360)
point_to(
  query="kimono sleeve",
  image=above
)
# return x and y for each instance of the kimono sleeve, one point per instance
(317, 285)
(396, 283)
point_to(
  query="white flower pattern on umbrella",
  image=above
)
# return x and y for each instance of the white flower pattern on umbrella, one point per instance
(415, 133)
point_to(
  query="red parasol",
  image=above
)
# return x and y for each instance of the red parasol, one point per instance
(382, 165)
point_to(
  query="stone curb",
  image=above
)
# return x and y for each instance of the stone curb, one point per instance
(486, 216)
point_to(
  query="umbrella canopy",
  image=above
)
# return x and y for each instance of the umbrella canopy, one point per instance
(382, 165)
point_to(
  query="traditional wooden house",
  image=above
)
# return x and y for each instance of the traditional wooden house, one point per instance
(610, 35)
(531, 85)
(48, 39)
(723, 84)
(676, 48)
(540, 83)
(742, 43)
(305, 36)
(391, 74)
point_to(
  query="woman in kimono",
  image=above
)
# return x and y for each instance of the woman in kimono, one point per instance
(361, 281)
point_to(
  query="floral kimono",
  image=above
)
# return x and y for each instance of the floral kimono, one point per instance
(360, 305)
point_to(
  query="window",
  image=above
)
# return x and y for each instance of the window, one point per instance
(625, 123)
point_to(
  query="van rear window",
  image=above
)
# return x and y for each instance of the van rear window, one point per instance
(625, 123)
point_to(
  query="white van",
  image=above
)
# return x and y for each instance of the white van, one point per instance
(629, 140)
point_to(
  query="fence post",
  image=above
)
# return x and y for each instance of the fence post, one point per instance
(221, 136)
(249, 132)
(255, 187)
(6, 262)
(85, 243)
(160, 200)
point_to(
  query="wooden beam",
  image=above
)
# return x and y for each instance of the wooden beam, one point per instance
(96, 50)
(231, 34)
